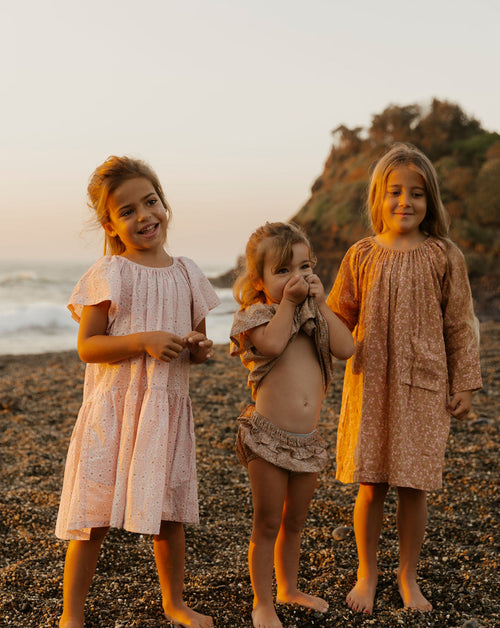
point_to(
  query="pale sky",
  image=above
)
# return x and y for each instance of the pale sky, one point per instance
(232, 102)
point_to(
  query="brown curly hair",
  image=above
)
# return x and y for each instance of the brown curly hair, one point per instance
(278, 237)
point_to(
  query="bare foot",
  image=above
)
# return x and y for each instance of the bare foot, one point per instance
(265, 617)
(412, 595)
(187, 618)
(362, 595)
(303, 599)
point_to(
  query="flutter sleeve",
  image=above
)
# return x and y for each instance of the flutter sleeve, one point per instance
(203, 296)
(343, 299)
(461, 327)
(244, 320)
(102, 282)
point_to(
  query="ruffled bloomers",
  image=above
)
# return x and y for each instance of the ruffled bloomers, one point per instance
(259, 438)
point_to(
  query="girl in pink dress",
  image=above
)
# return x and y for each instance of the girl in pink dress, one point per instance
(131, 460)
(405, 294)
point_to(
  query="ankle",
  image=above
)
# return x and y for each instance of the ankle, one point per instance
(369, 573)
(407, 574)
(67, 621)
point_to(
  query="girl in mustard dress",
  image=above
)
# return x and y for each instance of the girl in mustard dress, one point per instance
(404, 293)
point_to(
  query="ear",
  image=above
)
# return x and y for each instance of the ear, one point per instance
(109, 229)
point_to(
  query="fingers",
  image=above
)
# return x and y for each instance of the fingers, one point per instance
(197, 338)
(199, 345)
(172, 350)
(460, 405)
(297, 289)
(316, 288)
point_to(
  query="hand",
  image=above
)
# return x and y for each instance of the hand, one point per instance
(460, 404)
(199, 346)
(296, 290)
(316, 289)
(163, 345)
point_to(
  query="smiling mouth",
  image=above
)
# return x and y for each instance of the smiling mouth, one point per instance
(150, 229)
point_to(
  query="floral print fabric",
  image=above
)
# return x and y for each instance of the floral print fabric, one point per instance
(307, 318)
(131, 459)
(416, 343)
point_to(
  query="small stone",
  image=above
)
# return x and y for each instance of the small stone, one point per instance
(342, 532)
(478, 422)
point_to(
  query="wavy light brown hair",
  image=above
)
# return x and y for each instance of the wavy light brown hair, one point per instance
(106, 178)
(436, 222)
(275, 238)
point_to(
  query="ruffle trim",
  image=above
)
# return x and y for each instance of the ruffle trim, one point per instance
(259, 438)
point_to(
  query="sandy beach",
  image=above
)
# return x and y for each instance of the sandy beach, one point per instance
(39, 399)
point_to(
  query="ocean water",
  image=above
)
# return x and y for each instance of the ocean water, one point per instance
(33, 313)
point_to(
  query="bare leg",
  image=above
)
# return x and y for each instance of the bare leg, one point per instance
(79, 568)
(169, 554)
(269, 485)
(287, 549)
(368, 516)
(411, 521)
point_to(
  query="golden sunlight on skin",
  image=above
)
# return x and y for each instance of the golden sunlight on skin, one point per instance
(403, 209)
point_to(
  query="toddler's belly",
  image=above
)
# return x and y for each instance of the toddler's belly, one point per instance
(291, 393)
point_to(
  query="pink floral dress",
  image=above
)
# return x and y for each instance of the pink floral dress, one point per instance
(416, 343)
(131, 461)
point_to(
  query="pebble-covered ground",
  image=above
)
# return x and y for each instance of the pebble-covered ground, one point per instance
(39, 400)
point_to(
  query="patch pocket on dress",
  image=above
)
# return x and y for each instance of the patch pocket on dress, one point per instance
(425, 373)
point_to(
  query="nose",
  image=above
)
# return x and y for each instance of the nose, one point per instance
(142, 212)
(404, 199)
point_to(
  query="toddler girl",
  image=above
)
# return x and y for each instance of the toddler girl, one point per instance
(405, 294)
(131, 459)
(285, 335)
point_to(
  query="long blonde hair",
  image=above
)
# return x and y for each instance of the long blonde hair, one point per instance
(436, 221)
(277, 238)
(106, 178)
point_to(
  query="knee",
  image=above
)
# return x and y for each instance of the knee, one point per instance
(293, 524)
(168, 530)
(407, 495)
(373, 493)
(98, 534)
(266, 526)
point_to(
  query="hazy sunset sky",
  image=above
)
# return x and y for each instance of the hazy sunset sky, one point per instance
(232, 102)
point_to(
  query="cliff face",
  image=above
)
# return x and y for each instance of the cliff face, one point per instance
(467, 159)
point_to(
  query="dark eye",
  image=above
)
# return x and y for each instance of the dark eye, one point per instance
(126, 212)
(281, 271)
(306, 265)
(152, 201)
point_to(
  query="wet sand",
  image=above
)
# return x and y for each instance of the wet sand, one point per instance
(39, 399)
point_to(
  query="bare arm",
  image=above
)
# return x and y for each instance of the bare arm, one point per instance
(95, 346)
(341, 342)
(272, 338)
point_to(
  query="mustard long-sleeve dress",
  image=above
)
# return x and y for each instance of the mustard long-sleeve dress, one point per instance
(417, 340)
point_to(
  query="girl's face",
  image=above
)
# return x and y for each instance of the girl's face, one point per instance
(137, 216)
(275, 278)
(405, 202)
